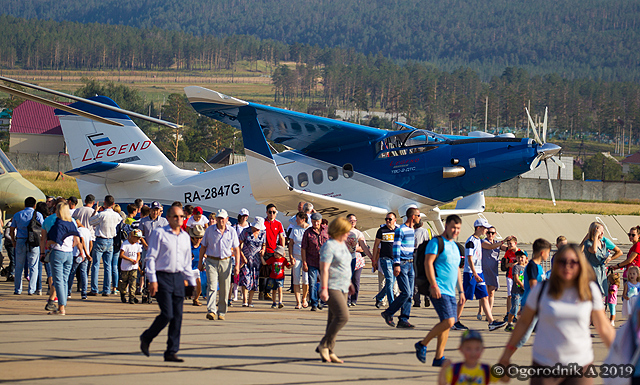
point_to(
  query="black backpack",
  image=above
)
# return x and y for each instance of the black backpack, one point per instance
(34, 231)
(422, 282)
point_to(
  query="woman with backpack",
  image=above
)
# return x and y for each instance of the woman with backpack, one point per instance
(564, 306)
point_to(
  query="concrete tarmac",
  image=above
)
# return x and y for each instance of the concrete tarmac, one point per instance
(97, 343)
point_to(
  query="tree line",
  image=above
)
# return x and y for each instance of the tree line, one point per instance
(573, 38)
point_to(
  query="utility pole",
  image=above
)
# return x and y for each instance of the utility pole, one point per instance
(486, 112)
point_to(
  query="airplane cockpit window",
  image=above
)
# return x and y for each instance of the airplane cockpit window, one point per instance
(405, 143)
(317, 176)
(6, 163)
(332, 173)
(347, 170)
(289, 180)
(303, 179)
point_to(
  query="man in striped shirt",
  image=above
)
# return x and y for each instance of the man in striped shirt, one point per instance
(403, 246)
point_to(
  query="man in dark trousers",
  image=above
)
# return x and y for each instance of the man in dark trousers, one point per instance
(168, 256)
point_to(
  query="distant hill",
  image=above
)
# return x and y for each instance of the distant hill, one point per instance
(598, 39)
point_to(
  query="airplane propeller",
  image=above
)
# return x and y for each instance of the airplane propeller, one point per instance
(545, 151)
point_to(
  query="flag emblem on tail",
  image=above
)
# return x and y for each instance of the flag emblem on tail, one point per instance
(99, 139)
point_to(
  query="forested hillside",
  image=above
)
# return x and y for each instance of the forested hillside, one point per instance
(325, 79)
(598, 39)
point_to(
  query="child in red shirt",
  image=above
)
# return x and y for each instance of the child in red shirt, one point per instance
(276, 279)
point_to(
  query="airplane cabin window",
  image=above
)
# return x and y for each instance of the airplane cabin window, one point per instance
(332, 173)
(303, 179)
(347, 170)
(317, 176)
(289, 180)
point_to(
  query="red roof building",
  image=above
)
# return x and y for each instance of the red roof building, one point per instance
(35, 129)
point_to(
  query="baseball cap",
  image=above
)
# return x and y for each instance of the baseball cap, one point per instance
(137, 233)
(279, 250)
(481, 222)
(198, 210)
(244, 211)
(316, 217)
(156, 205)
(222, 213)
(469, 335)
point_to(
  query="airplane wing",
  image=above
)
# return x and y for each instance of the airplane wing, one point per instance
(296, 130)
(111, 172)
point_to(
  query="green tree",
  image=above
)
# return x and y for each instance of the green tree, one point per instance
(601, 167)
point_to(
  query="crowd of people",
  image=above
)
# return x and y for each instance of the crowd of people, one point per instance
(145, 253)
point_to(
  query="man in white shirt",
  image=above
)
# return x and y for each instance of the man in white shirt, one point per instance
(104, 222)
(168, 258)
(84, 213)
(219, 244)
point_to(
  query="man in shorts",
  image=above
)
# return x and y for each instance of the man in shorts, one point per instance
(443, 288)
(472, 279)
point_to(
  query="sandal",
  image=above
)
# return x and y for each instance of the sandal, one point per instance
(298, 307)
(305, 305)
(56, 312)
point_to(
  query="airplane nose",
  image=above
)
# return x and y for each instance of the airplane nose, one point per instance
(16, 192)
(548, 150)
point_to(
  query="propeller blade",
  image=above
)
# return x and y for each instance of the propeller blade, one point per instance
(558, 162)
(60, 106)
(534, 128)
(553, 196)
(544, 126)
(536, 161)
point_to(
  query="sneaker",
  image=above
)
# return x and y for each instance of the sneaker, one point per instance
(39, 292)
(211, 316)
(132, 301)
(459, 326)
(416, 304)
(314, 308)
(496, 325)
(509, 328)
(220, 317)
(122, 298)
(353, 304)
(245, 305)
(388, 319)
(404, 325)
(438, 361)
(274, 305)
(613, 323)
(280, 305)
(427, 302)
(10, 278)
(50, 306)
(92, 294)
(378, 304)
(105, 294)
(421, 352)
(84, 296)
(230, 303)
(479, 317)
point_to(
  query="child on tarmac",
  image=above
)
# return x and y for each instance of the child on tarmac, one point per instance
(130, 254)
(631, 289)
(471, 370)
(518, 287)
(507, 264)
(612, 295)
(276, 279)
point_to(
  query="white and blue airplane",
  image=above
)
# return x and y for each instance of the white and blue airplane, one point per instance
(338, 166)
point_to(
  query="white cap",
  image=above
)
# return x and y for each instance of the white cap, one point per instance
(259, 224)
(481, 222)
(222, 213)
(244, 211)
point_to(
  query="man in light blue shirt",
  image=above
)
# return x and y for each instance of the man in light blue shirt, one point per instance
(26, 256)
(168, 257)
(219, 244)
(403, 247)
(442, 291)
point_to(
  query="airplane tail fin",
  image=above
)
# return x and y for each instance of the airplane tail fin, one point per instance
(102, 154)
